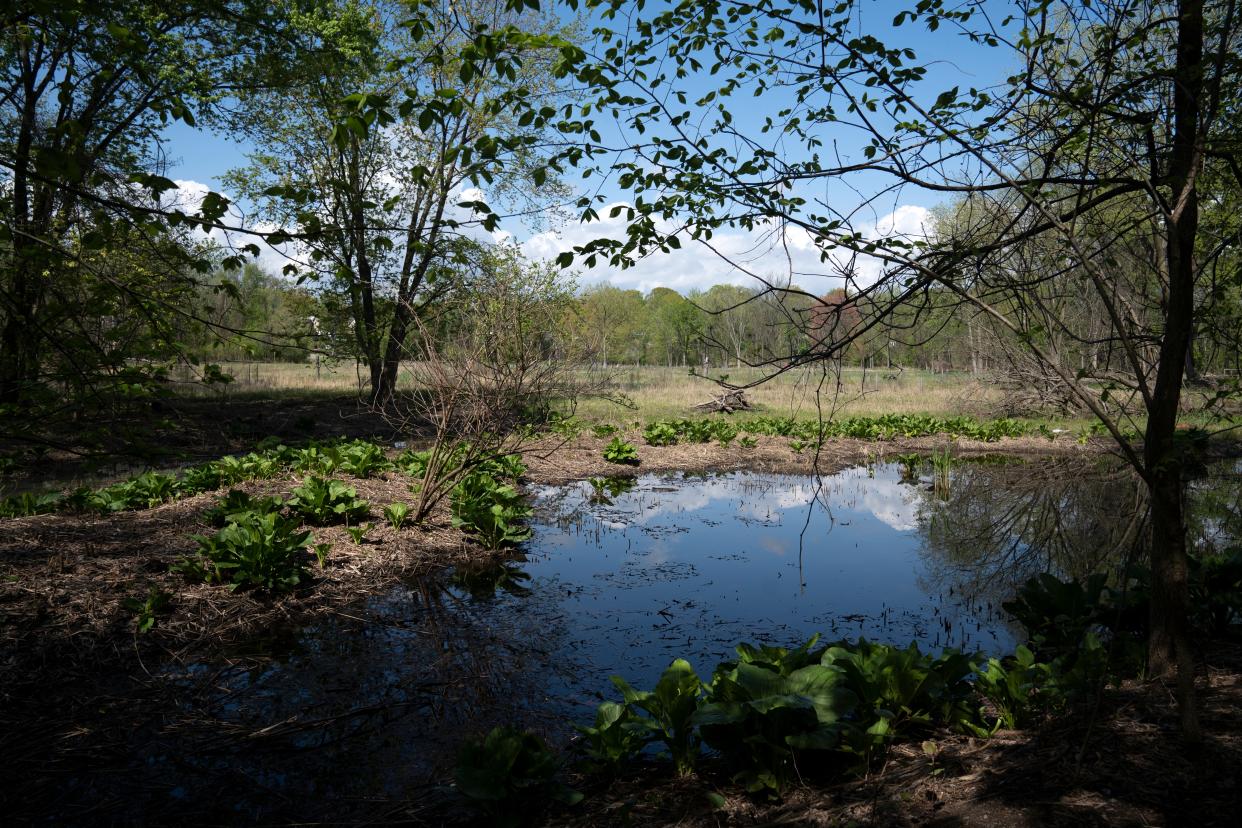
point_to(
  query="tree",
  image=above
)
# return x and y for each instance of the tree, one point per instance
(1115, 111)
(91, 252)
(677, 325)
(617, 320)
(380, 204)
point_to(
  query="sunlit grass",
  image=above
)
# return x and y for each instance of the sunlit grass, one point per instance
(655, 392)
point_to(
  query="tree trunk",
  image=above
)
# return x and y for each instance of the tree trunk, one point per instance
(1169, 645)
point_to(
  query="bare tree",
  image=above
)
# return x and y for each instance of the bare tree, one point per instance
(484, 374)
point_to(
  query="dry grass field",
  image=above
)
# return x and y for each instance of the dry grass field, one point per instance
(651, 392)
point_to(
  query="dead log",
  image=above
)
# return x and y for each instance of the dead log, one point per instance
(726, 403)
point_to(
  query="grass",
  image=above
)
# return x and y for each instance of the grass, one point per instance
(657, 392)
(254, 379)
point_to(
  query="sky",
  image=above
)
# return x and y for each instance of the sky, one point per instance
(198, 160)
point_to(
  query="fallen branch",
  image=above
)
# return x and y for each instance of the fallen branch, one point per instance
(726, 403)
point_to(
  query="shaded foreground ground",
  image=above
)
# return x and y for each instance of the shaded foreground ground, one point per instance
(102, 726)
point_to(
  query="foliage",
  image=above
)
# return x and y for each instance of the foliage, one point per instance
(493, 512)
(669, 712)
(1010, 683)
(144, 491)
(603, 430)
(236, 503)
(621, 452)
(505, 467)
(413, 463)
(396, 513)
(1056, 613)
(98, 274)
(357, 533)
(510, 773)
(27, 503)
(148, 610)
(617, 735)
(565, 426)
(264, 551)
(767, 705)
(359, 458)
(911, 690)
(660, 433)
(771, 706)
(879, 428)
(322, 502)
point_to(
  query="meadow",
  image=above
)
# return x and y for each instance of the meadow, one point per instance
(647, 392)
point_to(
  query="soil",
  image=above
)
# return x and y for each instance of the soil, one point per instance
(98, 723)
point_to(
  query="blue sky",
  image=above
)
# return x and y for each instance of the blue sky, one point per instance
(201, 158)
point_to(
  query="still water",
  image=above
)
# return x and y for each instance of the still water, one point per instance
(621, 576)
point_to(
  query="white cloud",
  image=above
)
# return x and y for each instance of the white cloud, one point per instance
(187, 198)
(733, 255)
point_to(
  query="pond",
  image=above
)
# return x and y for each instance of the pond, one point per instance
(622, 576)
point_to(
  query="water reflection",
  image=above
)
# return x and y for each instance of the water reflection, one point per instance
(995, 526)
(623, 576)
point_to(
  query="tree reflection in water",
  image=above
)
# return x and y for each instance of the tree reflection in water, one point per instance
(999, 524)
